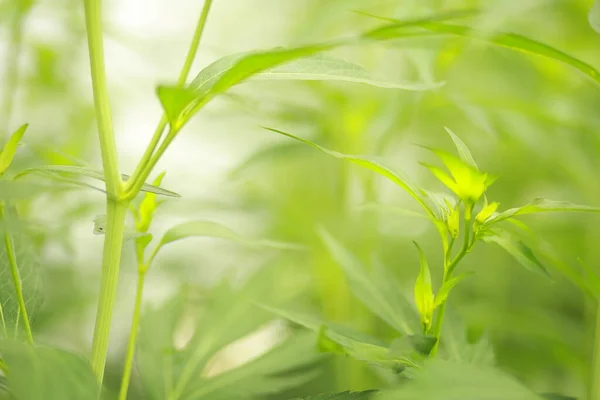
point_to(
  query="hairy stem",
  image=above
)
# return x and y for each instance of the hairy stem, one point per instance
(595, 370)
(111, 259)
(135, 322)
(139, 173)
(16, 277)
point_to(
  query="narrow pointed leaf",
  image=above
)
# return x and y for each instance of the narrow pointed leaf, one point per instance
(424, 298)
(463, 150)
(371, 289)
(91, 173)
(10, 148)
(442, 294)
(518, 249)
(541, 205)
(511, 41)
(175, 100)
(371, 164)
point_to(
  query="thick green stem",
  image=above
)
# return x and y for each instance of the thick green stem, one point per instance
(93, 23)
(111, 258)
(595, 370)
(16, 277)
(140, 172)
(135, 322)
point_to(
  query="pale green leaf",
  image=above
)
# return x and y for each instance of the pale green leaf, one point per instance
(456, 346)
(516, 248)
(373, 165)
(444, 291)
(174, 101)
(370, 288)
(512, 41)
(91, 173)
(424, 298)
(463, 150)
(148, 207)
(540, 205)
(10, 148)
(594, 16)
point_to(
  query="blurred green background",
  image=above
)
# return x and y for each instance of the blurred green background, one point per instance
(533, 121)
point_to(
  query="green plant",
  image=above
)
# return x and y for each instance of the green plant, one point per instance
(462, 220)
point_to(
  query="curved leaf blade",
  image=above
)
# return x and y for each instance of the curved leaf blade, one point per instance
(371, 164)
(463, 150)
(540, 205)
(518, 249)
(10, 148)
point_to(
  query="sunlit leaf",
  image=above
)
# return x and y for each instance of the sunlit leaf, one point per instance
(148, 207)
(374, 166)
(373, 289)
(91, 173)
(423, 291)
(44, 373)
(10, 148)
(541, 205)
(516, 248)
(594, 16)
(486, 212)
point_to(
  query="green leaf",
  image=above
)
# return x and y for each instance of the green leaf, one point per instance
(463, 150)
(174, 101)
(540, 205)
(512, 41)
(148, 207)
(467, 182)
(378, 291)
(456, 346)
(212, 320)
(413, 346)
(516, 248)
(371, 164)
(10, 148)
(445, 380)
(203, 228)
(288, 365)
(594, 16)
(424, 298)
(486, 212)
(356, 345)
(442, 294)
(44, 373)
(363, 395)
(91, 173)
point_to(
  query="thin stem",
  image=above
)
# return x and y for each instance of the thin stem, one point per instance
(595, 377)
(14, 270)
(183, 75)
(135, 321)
(12, 64)
(93, 23)
(448, 272)
(3, 321)
(111, 258)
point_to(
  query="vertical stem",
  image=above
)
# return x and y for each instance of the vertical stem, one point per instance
(14, 270)
(183, 75)
(595, 370)
(93, 23)
(111, 258)
(135, 321)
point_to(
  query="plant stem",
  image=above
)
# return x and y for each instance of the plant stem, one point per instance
(135, 321)
(93, 23)
(111, 258)
(14, 270)
(138, 174)
(595, 373)
(449, 268)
